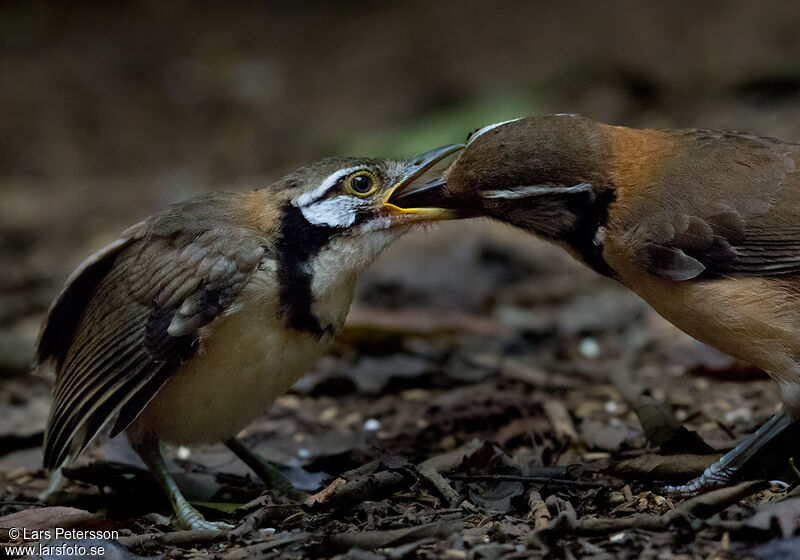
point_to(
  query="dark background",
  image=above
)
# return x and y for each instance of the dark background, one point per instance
(109, 111)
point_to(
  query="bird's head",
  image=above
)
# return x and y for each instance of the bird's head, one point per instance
(342, 211)
(538, 173)
(354, 196)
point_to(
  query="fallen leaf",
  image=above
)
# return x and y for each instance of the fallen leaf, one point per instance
(779, 519)
(608, 435)
(662, 467)
(496, 495)
(44, 518)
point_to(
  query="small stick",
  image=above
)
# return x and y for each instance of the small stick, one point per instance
(523, 478)
(177, 538)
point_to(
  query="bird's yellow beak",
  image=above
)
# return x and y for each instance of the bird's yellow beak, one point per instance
(417, 167)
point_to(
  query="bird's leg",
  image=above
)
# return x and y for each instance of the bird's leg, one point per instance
(146, 444)
(265, 470)
(723, 471)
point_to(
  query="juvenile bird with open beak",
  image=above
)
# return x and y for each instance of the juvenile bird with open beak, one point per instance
(703, 225)
(196, 319)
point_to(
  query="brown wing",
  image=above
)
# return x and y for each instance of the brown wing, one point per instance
(124, 323)
(730, 208)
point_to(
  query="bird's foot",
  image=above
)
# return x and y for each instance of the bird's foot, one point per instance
(189, 518)
(715, 476)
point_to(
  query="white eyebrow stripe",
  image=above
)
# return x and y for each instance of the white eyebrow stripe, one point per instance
(535, 190)
(487, 128)
(308, 197)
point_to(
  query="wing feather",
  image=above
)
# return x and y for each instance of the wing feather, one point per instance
(129, 317)
(712, 224)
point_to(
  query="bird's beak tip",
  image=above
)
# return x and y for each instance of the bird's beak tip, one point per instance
(403, 198)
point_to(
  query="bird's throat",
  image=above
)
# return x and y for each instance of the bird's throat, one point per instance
(575, 221)
(585, 237)
(299, 243)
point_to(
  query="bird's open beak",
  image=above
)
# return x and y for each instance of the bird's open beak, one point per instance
(419, 165)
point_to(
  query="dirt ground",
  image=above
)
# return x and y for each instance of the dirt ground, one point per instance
(489, 398)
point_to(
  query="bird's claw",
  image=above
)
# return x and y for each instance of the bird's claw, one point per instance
(715, 476)
(190, 519)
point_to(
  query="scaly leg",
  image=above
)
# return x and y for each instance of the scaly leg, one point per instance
(267, 472)
(149, 449)
(723, 471)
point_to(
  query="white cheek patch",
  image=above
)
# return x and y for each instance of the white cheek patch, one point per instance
(334, 212)
(487, 128)
(307, 198)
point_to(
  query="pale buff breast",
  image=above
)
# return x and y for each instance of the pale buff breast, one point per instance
(752, 319)
(246, 360)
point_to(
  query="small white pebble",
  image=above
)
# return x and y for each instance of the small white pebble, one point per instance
(184, 453)
(617, 537)
(372, 425)
(739, 415)
(611, 407)
(303, 453)
(265, 532)
(589, 348)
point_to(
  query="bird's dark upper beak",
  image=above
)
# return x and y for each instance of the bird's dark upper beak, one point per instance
(418, 166)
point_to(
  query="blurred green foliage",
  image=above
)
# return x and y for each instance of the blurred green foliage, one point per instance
(447, 126)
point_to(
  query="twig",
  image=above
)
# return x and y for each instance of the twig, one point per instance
(700, 507)
(524, 478)
(371, 487)
(430, 470)
(265, 514)
(255, 549)
(370, 540)
(794, 467)
(267, 472)
(429, 473)
(177, 538)
(538, 513)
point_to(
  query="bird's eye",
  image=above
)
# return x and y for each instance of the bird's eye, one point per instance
(362, 183)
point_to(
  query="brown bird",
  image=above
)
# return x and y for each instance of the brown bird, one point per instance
(196, 319)
(703, 225)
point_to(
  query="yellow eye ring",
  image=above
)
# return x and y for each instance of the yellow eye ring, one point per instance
(362, 183)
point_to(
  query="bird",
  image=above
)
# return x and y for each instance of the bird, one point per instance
(704, 225)
(190, 324)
